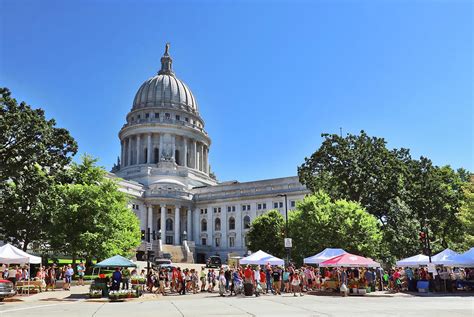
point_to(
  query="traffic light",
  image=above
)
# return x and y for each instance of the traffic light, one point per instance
(422, 236)
(143, 235)
(148, 233)
(154, 235)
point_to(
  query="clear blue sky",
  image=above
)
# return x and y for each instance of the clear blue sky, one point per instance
(269, 76)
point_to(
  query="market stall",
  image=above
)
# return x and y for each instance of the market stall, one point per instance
(414, 261)
(100, 286)
(10, 254)
(261, 258)
(324, 255)
(353, 272)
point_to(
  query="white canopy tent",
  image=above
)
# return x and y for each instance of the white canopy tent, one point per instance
(414, 261)
(10, 254)
(261, 258)
(324, 255)
(445, 257)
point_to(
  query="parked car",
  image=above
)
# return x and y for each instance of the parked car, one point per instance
(6, 289)
(214, 261)
(162, 261)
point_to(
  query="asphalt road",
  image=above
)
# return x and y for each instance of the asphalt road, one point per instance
(212, 305)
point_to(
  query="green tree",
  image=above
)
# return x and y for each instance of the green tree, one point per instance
(466, 216)
(358, 168)
(434, 194)
(92, 218)
(319, 223)
(33, 154)
(266, 233)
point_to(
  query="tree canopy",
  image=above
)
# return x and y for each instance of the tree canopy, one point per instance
(267, 232)
(33, 154)
(92, 217)
(404, 194)
(318, 223)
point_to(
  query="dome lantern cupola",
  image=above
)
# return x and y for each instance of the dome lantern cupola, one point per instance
(166, 62)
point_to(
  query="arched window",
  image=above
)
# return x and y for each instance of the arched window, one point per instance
(169, 224)
(246, 222)
(203, 225)
(231, 223)
(176, 157)
(146, 156)
(155, 155)
(217, 224)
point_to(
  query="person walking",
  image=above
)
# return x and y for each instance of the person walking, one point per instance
(222, 283)
(116, 279)
(256, 278)
(203, 279)
(295, 283)
(276, 275)
(125, 278)
(81, 270)
(68, 273)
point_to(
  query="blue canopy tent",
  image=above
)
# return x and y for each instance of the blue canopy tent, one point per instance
(116, 261)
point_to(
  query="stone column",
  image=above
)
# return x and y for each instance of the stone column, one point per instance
(176, 225)
(150, 221)
(195, 154)
(122, 146)
(163, 222)
(210, 227)
(202, 158)
(138, 149)
(196, 226)
(129, 155)
(185, 152)
(239, 219)
(224, 227)
(189, 229)
(149, 150)
(208, 170)
(160, 149)
(174, 148)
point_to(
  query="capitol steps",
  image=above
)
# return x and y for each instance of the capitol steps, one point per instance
(178, 253)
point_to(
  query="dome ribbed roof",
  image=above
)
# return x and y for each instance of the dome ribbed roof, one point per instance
(165, 90)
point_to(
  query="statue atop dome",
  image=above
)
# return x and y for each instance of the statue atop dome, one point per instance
(166, 62)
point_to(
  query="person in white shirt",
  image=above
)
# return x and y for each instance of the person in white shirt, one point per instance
(256, 278)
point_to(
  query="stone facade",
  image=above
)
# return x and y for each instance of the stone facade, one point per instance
(164, 166)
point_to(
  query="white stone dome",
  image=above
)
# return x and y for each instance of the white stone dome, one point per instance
(165, 90)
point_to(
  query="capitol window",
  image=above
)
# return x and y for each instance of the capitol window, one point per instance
(275, 205)
(157, 114)
(186, 119)
(169, 224)
(167, 116)
(203, 225)
(178, 117)
(246, 222)
(231, 223)
(203, 241)
(147, 115)
(293, 203)
(218, 242)
(217, 224)
(231, 242)
(281, 204)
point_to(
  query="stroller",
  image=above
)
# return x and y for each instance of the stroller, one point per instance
(238, 286)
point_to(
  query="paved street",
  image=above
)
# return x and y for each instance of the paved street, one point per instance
(74, 304)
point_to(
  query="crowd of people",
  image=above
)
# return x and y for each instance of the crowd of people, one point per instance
(48, 276)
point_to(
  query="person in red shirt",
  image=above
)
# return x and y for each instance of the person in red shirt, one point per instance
(263, 281)
(248, 274)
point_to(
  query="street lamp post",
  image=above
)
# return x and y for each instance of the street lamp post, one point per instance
(286, 227)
